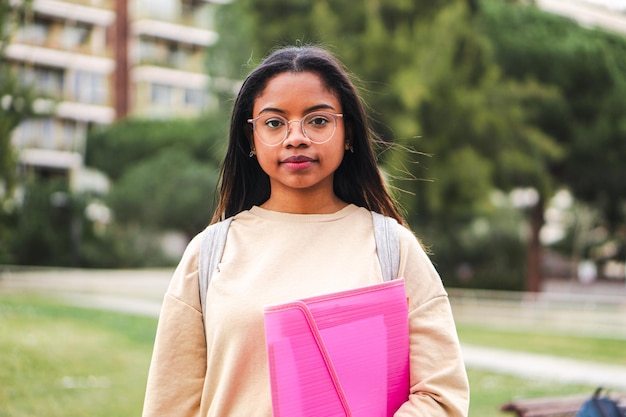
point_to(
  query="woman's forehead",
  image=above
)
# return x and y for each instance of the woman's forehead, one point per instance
(290, 90)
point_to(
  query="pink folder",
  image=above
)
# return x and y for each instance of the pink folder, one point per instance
(340, 354)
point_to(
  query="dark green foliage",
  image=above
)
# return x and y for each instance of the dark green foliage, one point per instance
(116, 148)
(486, 253)
(16, 99)
(164, 172)
(43, 227)
(588, 69)
(50, 229)
(169, 190)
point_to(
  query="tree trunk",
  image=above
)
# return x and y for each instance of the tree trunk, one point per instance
(533, 260)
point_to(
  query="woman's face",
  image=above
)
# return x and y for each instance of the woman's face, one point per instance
(298, 165)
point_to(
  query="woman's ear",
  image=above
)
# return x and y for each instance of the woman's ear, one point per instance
(348, 140)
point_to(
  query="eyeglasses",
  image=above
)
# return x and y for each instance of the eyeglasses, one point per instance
(273, 129)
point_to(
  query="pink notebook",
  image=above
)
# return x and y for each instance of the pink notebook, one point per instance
(340, 354)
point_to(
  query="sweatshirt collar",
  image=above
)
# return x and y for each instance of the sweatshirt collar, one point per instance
(303, 218)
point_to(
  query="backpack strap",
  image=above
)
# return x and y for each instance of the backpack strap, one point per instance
(214, 239)
(387, 245)
(211, 252)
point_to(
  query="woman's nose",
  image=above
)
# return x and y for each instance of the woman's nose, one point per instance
(295, 134)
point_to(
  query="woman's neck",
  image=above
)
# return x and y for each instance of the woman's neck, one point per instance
(304, 205)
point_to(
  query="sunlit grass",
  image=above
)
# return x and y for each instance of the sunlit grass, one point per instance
(489, 391)
(66, 361)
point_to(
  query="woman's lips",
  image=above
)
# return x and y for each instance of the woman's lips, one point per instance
(298, 162)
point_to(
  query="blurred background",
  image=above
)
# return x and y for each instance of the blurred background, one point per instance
(510, 115)
(507, 119)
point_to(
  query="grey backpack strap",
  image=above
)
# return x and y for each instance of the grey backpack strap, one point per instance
(387, 245)
(211, 252)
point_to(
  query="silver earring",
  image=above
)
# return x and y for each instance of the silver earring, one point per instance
(251, 154)
(351, 149)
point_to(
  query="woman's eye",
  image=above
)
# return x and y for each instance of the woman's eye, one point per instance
(273, 123)
(318, 120)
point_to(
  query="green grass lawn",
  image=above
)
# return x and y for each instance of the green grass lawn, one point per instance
(61, 361)
(65, 361)
(490, 391)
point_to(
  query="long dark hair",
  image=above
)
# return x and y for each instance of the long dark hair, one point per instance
(357, 180)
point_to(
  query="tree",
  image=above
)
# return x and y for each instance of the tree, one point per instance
(16, 99)
(478, 127)
(115, 148)
(16, 105)
(42, 227)
(588, 70)
(164, 173)
(169, 190)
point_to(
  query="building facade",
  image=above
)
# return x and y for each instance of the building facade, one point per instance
(97, 61)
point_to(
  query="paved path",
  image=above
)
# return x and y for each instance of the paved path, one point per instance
(550, 368)
(140, 307)
(141, 292)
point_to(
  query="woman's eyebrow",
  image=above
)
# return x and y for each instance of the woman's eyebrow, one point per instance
(319, 107)
(271, 110)
(308, 110)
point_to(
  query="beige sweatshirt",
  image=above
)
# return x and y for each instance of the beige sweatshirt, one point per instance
(270, 258)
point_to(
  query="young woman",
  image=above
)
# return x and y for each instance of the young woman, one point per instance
(300, 179)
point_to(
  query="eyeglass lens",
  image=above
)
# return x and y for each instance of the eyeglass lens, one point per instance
(318, 127)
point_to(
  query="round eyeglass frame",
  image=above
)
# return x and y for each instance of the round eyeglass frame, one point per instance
(334, 116)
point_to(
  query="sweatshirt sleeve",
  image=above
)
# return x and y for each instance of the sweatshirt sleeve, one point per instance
(438, 379)
(178, 366)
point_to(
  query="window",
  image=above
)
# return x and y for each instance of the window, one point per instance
(161, 94)
(195, 99)
(48, 81)
(35, 32)
(36, 133)
(148, 52)
(89, 87)
(23, 134)
(68, 135)
(75, 36)
(163, 9)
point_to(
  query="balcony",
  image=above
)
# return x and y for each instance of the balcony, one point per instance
(100, 4)
(58, 58)
(50, 159)
(170, 77)
(90, 113)
(174, 32)
(71, 36)
(188, 14)
(51, 134)
(99, 13)
(162, 92)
